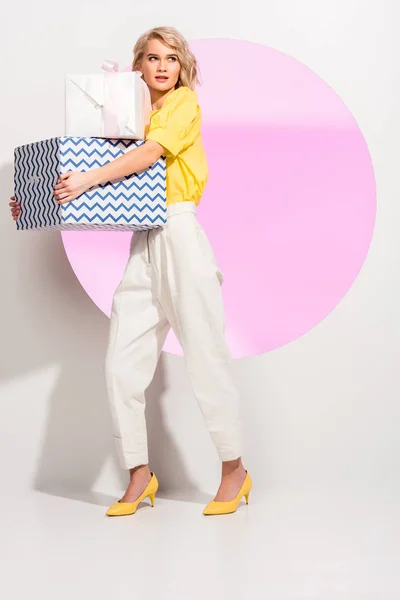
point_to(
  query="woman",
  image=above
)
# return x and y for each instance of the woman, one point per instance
(171, 280)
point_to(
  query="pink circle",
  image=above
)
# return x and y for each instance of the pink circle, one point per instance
(290, 204)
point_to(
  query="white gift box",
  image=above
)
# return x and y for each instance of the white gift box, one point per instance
(136, 202)
(111, 104)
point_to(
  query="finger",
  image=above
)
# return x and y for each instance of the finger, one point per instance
(63, 195)
(12, 198)
(65, 200)
(65, 188)
(60, 186)
(64, 176)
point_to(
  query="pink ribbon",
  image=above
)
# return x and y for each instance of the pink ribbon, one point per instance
(116, 116)
(110, 66)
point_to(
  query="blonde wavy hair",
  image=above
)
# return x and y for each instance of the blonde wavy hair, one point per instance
(189, 73)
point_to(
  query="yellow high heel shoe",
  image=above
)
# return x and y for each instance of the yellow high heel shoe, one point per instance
(223, 508)
(129, 508)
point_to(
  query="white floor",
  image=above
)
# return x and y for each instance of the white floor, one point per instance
(281, 546)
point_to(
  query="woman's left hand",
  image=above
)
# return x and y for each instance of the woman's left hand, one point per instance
(71, 185)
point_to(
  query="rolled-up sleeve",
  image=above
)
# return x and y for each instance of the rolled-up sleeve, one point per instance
(172, 124)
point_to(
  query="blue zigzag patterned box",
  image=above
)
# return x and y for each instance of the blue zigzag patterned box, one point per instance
(135, 203)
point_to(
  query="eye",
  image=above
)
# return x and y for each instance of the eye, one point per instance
(173, 58)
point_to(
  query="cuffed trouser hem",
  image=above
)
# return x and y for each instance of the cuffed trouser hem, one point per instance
(228, 455)
(128, 459)
(223, 443)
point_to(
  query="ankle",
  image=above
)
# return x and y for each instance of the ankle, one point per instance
(230, 467)
(140, 472)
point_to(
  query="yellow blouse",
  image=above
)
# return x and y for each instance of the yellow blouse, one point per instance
(177, 127)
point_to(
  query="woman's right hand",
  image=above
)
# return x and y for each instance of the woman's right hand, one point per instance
(15, 208)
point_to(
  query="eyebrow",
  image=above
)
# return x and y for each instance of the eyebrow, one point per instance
(168, 55)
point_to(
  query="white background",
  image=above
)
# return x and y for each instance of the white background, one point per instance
(319, 413)
(322, 409)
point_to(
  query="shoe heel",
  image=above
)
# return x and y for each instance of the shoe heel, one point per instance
(152, 496)
(247, 497)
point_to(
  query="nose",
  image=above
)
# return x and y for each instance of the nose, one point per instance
(162, 66)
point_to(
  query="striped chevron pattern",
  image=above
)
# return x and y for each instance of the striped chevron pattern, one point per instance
(136, 202)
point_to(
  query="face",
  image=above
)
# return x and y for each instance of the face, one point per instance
(160, 66)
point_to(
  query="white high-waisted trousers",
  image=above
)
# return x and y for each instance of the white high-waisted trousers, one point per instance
(171, 280)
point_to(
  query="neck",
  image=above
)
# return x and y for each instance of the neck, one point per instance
(158, 98)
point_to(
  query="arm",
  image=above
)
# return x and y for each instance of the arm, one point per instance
(135, 160)
(72, 184)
